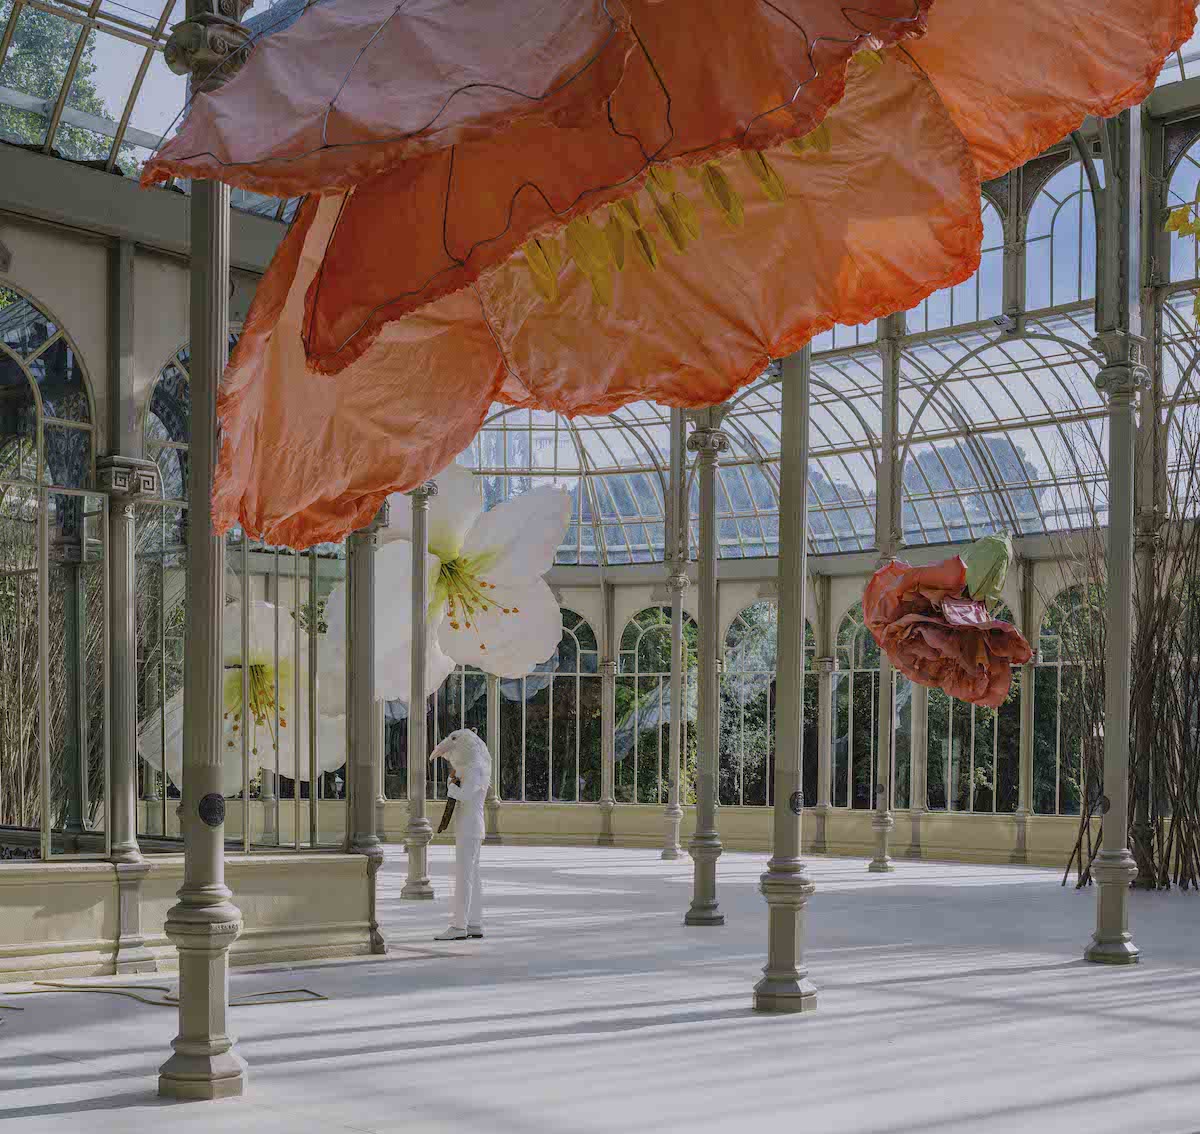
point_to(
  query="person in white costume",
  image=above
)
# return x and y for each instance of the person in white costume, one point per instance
(472, 764)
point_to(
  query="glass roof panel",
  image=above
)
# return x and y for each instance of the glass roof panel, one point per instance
(95, 75)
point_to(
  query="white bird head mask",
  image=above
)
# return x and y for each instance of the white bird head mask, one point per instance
(464, 750)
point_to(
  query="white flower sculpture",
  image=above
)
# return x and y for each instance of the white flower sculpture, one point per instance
(489, 607)
(258, 717)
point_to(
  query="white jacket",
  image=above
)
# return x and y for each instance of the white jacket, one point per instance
(472, 763)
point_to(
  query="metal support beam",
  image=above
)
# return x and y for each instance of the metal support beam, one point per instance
(1118, 337)
(420, 831)
(785, 986)
(205, 922)
(362, 732)
(708, 442)
(677, 584)
(887, 540)
(608, 714)
(825, 663)
(492, 804)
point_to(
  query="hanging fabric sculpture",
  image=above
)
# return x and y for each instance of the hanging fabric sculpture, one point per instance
(935, 626)
(576, 204)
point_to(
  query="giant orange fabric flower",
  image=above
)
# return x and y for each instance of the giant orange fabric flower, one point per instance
(574, 204)
(937, 636)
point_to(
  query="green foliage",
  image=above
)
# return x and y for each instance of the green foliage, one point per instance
(37, 63)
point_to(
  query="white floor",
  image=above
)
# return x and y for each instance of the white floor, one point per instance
(952, 998)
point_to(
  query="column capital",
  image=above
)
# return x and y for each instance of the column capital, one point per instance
(1124, 371)
(127, 477)
(708, 441)
(423, 493)
(824, 665)
(211, 44)
(608, 667)
(678, 582)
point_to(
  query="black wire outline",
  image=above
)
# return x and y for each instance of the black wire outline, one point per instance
(848, 13)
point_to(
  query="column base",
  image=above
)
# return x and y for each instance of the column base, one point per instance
(671, 848)
(1113, 952)
(196, 1078)
(417, 887)
(606, 837)
(785, 986)
(820, 839)
(491, 836)
(1020, 851)
(882, 824)
(705, 910)
(1112, 943)
(204, 1065)
(783, 995)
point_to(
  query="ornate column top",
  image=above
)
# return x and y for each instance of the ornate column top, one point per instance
(423, 493)
(1124, 371)
(824, 665)
(211, 44)
(608, 667)
(707, 440)
(127, 477)
(678, 582)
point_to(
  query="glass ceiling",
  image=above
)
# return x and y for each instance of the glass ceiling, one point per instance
(86, 80)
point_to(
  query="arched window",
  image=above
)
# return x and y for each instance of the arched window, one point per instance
(1068, 701)
(53, 603)
(973, 754)
(169, 421)
(748, 710)
(1060, 241)
(644, 707)
(980, 297)
(856, 716)
(550, 723)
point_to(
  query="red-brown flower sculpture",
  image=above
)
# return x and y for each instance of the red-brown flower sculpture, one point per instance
(934, 633)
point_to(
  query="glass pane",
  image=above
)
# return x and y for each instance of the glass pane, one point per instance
(23, 328)
(159, 566)
(68, 456)
(903, 743)
(59, 378)
(938, 752)
(76, 662)
(20, 772)
(564, 780)
(97, 98)
(158, 108)
(841, 737)
(625, 739)
(512, 739)
(36, 66)
(589, 739)
(18, 423)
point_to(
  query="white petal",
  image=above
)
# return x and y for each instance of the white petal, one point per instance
(512, 643)
(453, 510)
(520, 536)
(393, 632)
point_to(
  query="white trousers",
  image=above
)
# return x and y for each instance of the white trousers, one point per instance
(466, 909)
